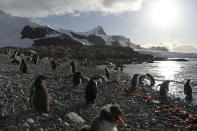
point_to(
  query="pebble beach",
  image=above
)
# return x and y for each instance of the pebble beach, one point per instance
(143, 110)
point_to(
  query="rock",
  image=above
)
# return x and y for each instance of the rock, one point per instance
(30, 120)
(59, 120)
(66, 125)
(45, 115)
(72, 116)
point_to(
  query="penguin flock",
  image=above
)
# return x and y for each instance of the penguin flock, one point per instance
(110, 115)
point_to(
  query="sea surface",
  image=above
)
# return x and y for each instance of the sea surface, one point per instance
(178, 72)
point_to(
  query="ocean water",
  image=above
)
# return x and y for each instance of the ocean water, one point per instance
(178, 72)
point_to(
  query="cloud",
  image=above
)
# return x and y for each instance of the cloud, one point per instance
(175, 46)
(42, 8)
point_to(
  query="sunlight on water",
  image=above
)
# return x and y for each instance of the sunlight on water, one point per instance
(168, 69)
(178, 72)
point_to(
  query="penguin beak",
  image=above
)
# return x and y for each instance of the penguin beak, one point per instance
(119, 120)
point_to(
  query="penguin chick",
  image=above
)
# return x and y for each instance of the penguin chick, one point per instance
(77, 79)
(164, 88)
(91, 91)
(39, 96)
(107, 120)
(24, 68)
(188, 89)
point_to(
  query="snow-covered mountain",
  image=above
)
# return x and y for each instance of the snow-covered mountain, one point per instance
(24, 32)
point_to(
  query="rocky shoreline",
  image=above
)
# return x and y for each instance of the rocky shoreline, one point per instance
(143, 110)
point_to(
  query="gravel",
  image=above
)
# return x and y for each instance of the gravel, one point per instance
(15, 111)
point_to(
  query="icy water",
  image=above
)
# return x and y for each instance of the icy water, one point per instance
(179, 72)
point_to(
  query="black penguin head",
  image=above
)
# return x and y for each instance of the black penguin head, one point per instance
(166, 83)
(112, 113)
(72, 63)
(188, 81)
(78, 74)
(41, 77)
(136, 75)
(23, 61)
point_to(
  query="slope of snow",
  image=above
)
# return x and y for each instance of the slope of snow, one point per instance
(11, 27)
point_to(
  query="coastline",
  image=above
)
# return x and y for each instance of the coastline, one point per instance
(140, 112)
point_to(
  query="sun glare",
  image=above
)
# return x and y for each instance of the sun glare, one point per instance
(164, 13)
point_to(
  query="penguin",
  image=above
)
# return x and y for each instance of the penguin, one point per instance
(39, 96)
(151, 78)
(121, 68)
(53, 64)
(164, 88)
(35, 58)
(107, 120)
(91, 91)
(24, 68)
(142, 79)
(77, 79)
(107, 73)
(134, 82)
(188, 89)
(73, 67)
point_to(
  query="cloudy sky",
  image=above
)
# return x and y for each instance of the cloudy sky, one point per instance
(171, 23)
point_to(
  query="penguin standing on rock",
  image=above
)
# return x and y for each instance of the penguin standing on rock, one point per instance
(188, 89)
(107, 120)
(77, 79)
(73, 67)
(134, 82)
(24, 68)
(164, 88)
(39, 96)
(91, 91)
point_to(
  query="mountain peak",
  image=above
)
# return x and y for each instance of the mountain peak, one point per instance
(97, 30)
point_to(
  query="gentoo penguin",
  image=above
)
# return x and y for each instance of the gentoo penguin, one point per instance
(39, 96)
(151, 78)
(35, 58)
(73, 67)
(142, 79)
(164, 88)
(24, 68)
(77, 76)
(107, 120)
(91, 91)
(53, 64)
(134, 82)
(188, 89)
(107, 73)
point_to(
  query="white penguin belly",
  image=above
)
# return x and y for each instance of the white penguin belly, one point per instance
(107, 126)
